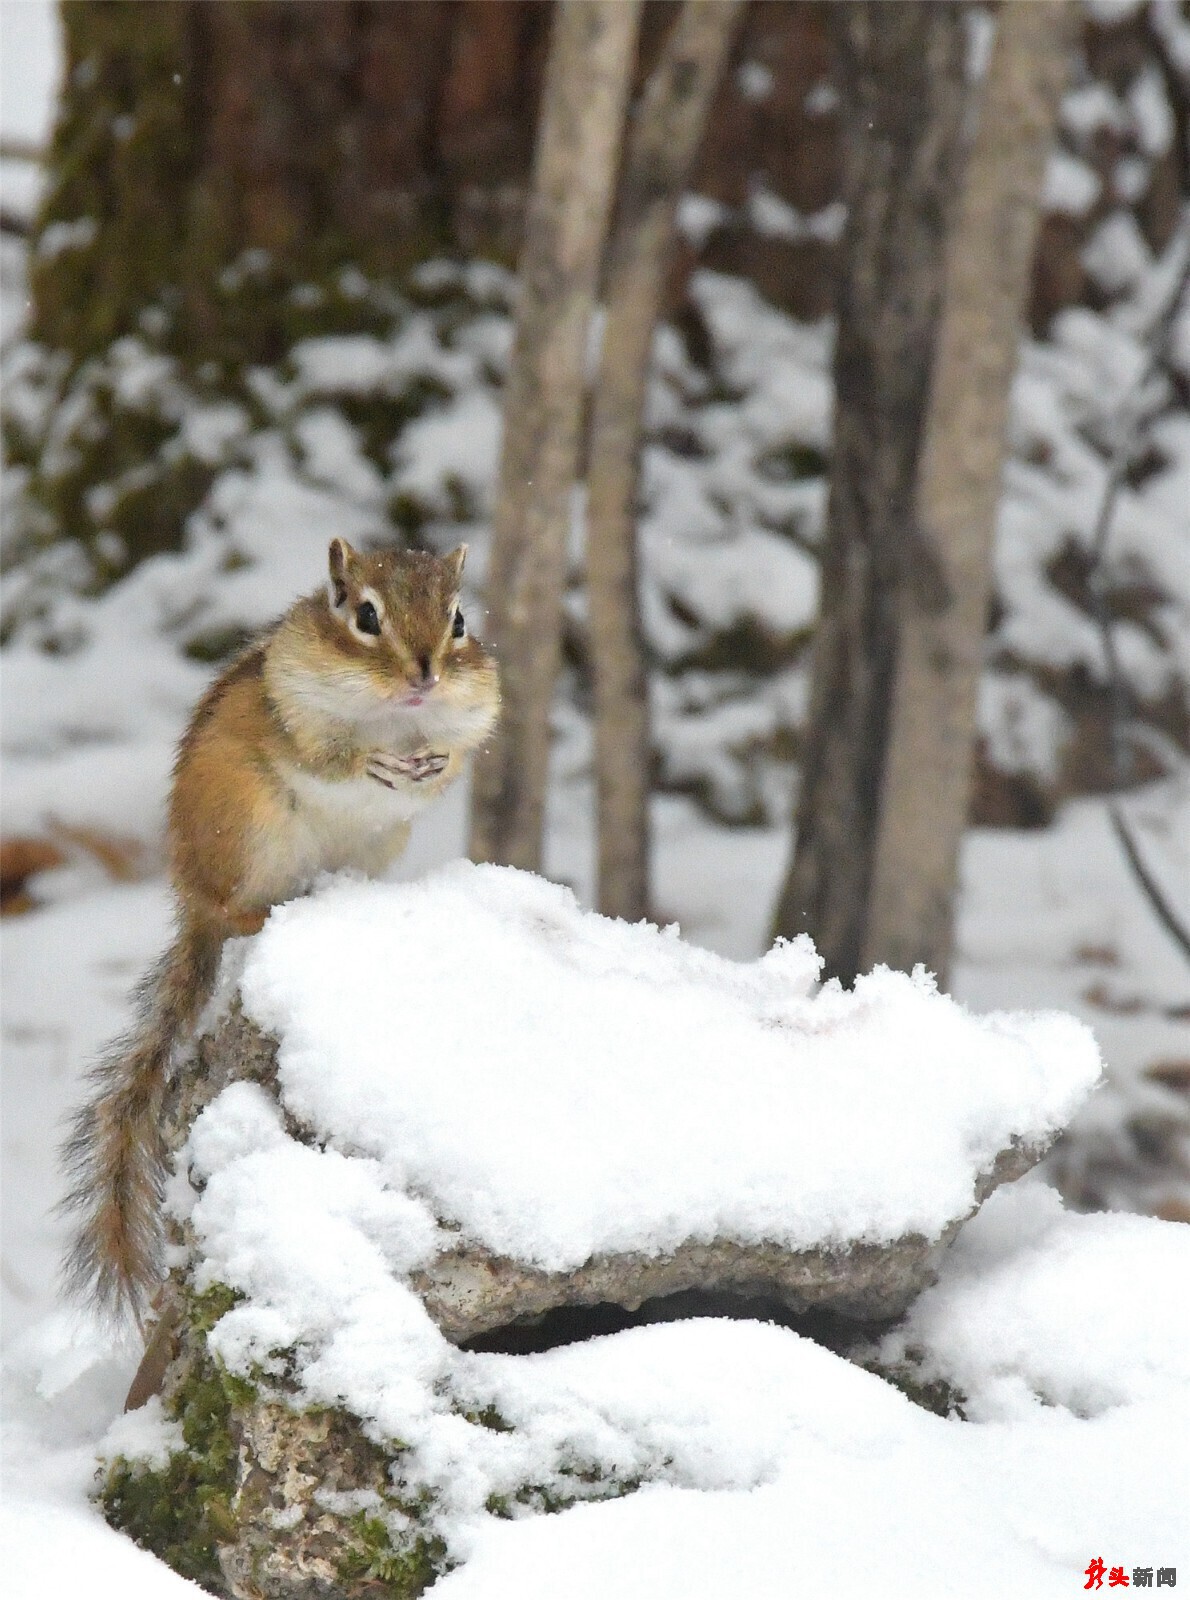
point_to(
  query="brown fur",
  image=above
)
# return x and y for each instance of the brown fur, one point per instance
(114, 1152)
(273, 783)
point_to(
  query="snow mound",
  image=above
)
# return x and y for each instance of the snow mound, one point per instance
(555, 1084)
(830, 1454)
(472, 1061)
(1066, 1332)
(1040, 1307)
(474, 1058)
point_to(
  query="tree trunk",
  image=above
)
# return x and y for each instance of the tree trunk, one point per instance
(926, 786)
(220, 176)
(902, 74)
(319, 135)
(582, 116)
(662, 147)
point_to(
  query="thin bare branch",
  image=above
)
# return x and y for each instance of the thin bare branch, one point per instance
(1159, 339)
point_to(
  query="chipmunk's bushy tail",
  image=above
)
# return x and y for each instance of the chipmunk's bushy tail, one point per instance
(114, 1156)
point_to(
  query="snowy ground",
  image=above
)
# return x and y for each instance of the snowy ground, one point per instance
(1068, 1333)
(1041, 911)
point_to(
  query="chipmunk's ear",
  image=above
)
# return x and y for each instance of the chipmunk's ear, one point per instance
(457, 558)
(340, 559)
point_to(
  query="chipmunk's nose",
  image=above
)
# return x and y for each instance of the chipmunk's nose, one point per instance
(428, 679)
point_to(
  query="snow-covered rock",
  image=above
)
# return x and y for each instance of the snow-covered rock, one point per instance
(483, 1103)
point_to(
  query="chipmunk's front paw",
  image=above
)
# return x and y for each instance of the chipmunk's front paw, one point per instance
(392, 770)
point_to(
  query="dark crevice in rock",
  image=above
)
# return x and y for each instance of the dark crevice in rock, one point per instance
(571, 1324)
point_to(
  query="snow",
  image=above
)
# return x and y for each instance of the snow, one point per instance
(783, 1456)
(1024, 728)
(1151, 112)
(1070, 184)
(734, 498)
(29, 68)
(1108, 12)
(1038, 1306)
(1055, 917)
(61, 236)
(774, 218)
(782, 366)
(320, 1238)
(822, 99)
(461, 443)
(1091, 107)
(67, 975)
(1116, 255)
(754, 80)
(59, 1550)
(918, 1507)
(1072, 397)
(859, 1115)
(1174, 31)
(698, 217)
(63, 1384)
(1082, 1449)
(772, 1451)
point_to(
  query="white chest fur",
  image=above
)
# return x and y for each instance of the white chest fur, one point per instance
(349, 820)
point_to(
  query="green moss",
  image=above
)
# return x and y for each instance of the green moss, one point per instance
(209, 1307)
(123, 151)
(490, 1418)
(170, 1513)
(138, 238)
(245, 1446)
(404, 1570)
(135, 217)
(183, 1511)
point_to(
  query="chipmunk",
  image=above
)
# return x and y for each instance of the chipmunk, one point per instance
(313, 751)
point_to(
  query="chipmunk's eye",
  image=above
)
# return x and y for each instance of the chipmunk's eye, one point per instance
(366, 619)
(458, 627)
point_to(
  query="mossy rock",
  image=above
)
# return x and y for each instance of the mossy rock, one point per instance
(268, 1490)
(183, 1510)
(265, 1498)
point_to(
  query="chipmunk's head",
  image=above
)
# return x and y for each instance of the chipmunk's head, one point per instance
(397, 622)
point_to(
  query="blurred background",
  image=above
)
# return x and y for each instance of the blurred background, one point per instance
(259, 288)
